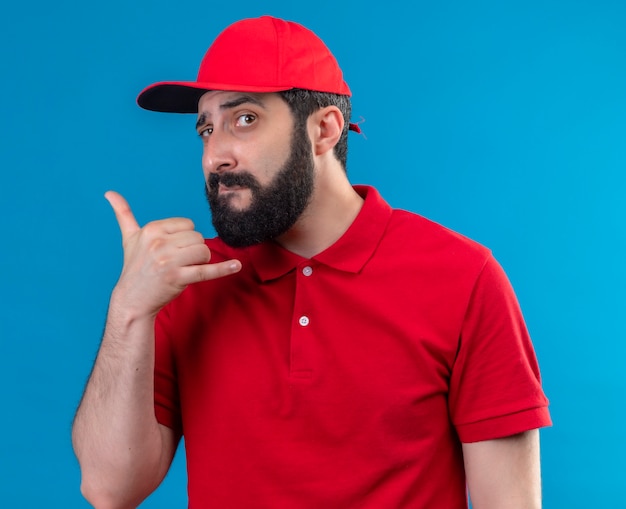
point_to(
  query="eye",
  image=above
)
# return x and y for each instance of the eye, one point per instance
(206, 132)
(246, 119)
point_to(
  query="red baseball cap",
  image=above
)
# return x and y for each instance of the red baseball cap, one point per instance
(264, 54)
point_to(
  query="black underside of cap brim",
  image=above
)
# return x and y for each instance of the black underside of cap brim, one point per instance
(171, 98)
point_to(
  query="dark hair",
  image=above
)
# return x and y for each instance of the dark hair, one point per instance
(303, 103)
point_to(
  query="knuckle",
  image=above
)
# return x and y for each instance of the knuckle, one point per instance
(156, 244)
(157, 255)
(205, 253)
(162, 263)
(170, 275)
(151, 229)
(201, 273)
(182, 223)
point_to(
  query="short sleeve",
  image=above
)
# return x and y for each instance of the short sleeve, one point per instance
(495, 385)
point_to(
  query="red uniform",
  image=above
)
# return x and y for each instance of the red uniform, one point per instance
(348, 380)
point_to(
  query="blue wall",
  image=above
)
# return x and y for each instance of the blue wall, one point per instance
(503, 120)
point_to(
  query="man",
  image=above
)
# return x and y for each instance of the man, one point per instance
(325, 351)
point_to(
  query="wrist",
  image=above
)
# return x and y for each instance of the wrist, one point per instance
(124, 315)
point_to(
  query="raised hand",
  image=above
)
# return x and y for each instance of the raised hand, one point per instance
(161, 259)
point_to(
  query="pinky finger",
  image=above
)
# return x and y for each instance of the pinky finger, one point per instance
(205, 272)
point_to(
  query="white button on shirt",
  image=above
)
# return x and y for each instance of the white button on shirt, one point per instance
(307, 271)
(304, 321)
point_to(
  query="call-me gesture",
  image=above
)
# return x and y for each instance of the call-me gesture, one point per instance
(161, 259)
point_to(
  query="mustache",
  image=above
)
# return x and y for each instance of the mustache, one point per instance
(228, 179)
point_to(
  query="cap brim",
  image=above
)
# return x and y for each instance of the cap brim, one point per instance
(183, 96)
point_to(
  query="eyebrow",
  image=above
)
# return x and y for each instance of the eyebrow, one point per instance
(233, 103)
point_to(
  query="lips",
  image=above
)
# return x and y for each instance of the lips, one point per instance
(223, 189)
(226, 185)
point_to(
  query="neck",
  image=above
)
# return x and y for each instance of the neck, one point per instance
(333, 207)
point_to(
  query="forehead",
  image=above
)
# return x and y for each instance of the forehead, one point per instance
(216, 101)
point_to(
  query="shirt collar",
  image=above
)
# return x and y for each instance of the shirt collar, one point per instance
(350, 253)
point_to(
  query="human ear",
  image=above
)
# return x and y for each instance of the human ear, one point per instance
(325, 127)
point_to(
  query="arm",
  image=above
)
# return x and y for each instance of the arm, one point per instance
(123, 451)
(504, 473)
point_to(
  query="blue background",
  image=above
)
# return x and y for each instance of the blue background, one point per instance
(505, 121)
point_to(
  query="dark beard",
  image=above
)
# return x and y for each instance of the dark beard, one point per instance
(274, 208)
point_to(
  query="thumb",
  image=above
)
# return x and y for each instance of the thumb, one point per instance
(125, 218)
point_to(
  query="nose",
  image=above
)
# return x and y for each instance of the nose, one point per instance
(217, 153)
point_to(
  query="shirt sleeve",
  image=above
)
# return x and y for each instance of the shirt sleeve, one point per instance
(166, 396)
(495, 386)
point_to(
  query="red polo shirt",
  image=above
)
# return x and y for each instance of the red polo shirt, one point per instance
(349, 379)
